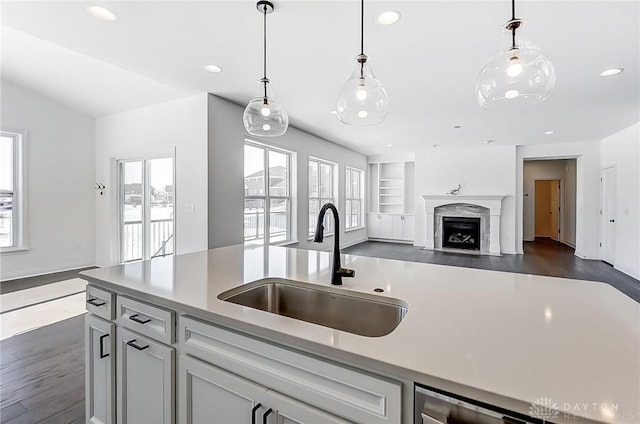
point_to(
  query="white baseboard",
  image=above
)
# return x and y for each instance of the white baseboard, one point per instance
(529, 238)
(33, 272)
(568, 244)
(391, 240)
(628, 272)
(353, 243)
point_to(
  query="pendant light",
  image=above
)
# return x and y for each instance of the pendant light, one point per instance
(362, 100)
(518, 74)
(264, 115)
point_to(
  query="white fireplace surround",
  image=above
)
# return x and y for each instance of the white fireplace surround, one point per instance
(493, 203)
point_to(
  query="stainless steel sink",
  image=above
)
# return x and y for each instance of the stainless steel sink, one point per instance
(359, 313)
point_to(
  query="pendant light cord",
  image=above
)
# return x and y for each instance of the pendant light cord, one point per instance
(362, 27)
(513, 29)
(264, 38)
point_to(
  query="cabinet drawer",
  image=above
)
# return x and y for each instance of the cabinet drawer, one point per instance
(146, 319)
(101, 303)
(356, 396)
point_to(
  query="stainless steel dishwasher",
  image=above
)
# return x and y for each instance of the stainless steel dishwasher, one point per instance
(438, 407)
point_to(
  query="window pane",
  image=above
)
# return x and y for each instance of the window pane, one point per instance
(278, 174)
(326, 180)
(254, 221)
(355, 213)
(347, 214)
(314, 209)
(328, 217)
(348, 184)
(253, 171)
(132, 231)
(355, 184)
(279, 220)
(313, 179)
(6, 191)
(162, 207)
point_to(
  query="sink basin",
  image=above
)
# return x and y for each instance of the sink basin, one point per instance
(359, 313)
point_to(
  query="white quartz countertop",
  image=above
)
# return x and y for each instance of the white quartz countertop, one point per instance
(512, 339)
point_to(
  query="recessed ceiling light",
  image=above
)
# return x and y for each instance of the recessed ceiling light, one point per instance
(102, 13)
(389, 17)
(388, 145)
(549, 132)
(457, 127)
(488, 141)
(213, 68)
(434, 145)
(611, 72)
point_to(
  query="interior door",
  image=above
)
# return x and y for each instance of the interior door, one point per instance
(608, 215)
(554, 203)
(542, 209)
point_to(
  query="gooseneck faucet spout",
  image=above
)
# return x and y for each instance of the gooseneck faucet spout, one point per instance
(337, 271)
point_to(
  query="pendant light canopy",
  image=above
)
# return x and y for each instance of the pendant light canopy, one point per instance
(264, 115)
(362, 100)
(518, 74)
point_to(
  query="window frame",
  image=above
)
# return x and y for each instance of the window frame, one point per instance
(18, 192)
(349, 199)
(329, 229)
(267, 197)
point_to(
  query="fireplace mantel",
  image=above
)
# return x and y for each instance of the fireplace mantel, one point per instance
(491, 202)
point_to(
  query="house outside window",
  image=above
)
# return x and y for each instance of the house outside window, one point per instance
(322, 180)
(354, 179)
(267, 194)
(12, 211)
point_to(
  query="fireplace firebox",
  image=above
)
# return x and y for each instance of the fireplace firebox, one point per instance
(461, 233)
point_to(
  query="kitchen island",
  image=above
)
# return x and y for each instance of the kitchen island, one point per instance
(503, 339)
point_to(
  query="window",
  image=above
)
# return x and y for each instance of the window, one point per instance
(353, 198)
(146, 206)
(321, 191)
(267, 194)
(11, 191)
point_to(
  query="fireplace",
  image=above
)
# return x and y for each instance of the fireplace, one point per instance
(461, 233)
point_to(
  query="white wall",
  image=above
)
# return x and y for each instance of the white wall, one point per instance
(226, 175)
(59, 181)
(563, 170)
(587, 190)
(622, 150)
(489, 170)
(159, 129)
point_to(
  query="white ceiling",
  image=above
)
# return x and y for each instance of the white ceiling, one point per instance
(428, 62)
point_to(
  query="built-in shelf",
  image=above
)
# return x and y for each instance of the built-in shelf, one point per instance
(391, 187)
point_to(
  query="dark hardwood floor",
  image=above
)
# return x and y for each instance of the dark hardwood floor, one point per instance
(42, 375)
(541, 257)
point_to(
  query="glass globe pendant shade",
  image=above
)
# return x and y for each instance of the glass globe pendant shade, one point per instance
(362, 100)
(264, 116)
(515, 75)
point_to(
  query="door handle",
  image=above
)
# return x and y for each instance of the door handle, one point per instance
(253, 412)
(102, 354)
(132, 343)
(265, 415)
(135, 318)
(612, 220)
(95, 302)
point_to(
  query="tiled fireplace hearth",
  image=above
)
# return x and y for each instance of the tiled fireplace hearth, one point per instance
(461, 210)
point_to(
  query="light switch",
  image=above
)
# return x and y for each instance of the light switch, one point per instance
(190, 207)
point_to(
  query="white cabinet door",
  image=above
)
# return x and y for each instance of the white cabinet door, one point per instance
(209, 395)
(385, 226)
(100, 370)
(289, 411)
(396, 227)
(408, 229)
(373, 222)
(146, 380)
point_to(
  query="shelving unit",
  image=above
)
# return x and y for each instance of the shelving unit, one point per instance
(391, 201)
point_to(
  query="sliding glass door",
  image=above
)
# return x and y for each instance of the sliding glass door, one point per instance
(146, 208)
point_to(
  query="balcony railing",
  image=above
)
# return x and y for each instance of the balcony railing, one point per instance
(161, 232)
(254, 224)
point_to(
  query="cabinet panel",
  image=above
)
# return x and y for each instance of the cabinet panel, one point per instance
(101, 303)
(146, 380)
(209, 395)
(396, 227)
(408, 228)
(146, 319)
(290, 411)
(100, 370)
